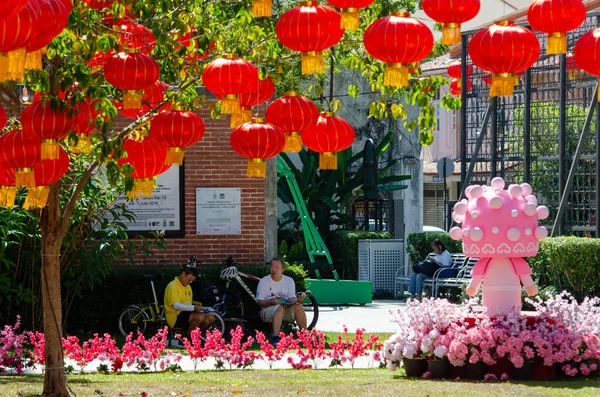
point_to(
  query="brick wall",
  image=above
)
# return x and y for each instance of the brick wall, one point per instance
(213, 163)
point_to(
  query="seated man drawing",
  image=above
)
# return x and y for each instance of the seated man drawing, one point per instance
(179, 310)
(276, 295)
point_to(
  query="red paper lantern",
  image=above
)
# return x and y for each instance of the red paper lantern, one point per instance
(46, 173)
(16, 31)
(310, 29)
(292, 114)
(147, 158)
(331, 134)
(10, 8)
(49, 124)
(456, 86)
(50, 23)
(191, 37)
(587, 51)
(398, 40)
(451, 13)
(556, 18)
(264, 91)
(134, 36)
(131, 72)
(151, 98)
(177, 129)
(8, 189)
(349, 11)
(227, 78)
(257, 141)
(100, 59)
(455, 70)
(504, 50)
(21, 150)
(3, 118)
(85, 124)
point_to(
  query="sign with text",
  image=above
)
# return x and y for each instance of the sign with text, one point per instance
(218, 211)
(162, 211)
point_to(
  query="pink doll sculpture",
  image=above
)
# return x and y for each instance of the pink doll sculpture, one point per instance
(500, 227)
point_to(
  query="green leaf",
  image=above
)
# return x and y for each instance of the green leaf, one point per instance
(353, 90)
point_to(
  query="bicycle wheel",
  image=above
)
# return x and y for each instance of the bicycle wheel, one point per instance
(219, 324)
(133, 319)
(231, 305)
(311, 308)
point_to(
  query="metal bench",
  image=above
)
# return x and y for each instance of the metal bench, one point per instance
(458, 262)
(463, 276)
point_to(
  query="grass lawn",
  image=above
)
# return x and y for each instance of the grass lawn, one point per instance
(340, 382)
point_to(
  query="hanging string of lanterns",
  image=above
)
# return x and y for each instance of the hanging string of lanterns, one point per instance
(292, 114)
(556, 18)
(257, 141)
(176, 129)
(227, 78)
(349, 10)
(330, 135)
(264, 90)
(451, 14)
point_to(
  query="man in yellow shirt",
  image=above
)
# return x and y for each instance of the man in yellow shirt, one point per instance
(179, 310)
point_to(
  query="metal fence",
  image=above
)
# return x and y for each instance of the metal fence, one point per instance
(535, 136)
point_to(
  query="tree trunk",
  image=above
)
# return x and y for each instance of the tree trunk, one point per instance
(55, 382)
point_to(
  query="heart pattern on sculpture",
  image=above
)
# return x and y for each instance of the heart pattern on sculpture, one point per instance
(531, 247)
(474, 249)
(519, 249)
(488, 249)
(503, 249)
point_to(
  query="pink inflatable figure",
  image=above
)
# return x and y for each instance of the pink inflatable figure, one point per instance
(500, 227)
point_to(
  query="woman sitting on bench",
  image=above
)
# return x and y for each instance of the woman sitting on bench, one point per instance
(427, 268)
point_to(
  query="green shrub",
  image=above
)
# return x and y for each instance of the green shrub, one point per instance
(344, 250)
(124, 285)
(418, 245)
(297, 252)
(569, 263)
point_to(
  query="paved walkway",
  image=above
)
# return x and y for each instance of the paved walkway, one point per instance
(374, 317)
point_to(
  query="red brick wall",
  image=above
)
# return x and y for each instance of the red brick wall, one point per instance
(213, 163)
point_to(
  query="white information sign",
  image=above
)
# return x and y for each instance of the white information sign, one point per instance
(162, 210)
(218, 211)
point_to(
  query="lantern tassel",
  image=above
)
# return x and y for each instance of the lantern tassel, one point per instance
(7, 196)
(396, 75)
(175, 155)
(350, 19)
(230, 104)
(3, 67)
(503, 84)
(312, 62)
(237, 119)
(132, 100)
(257, 168)
(33, 60)
(141, 188)
(450, 33)
(328, 161)
(24, 177)
(50, 149)
(598, 96)
(557, 43)
(37, 197)
(293, 142)
(262, 8)
(83, 144)
(16, 64)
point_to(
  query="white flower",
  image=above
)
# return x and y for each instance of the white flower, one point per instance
(434, 333)
(441, 351)
(409, 350)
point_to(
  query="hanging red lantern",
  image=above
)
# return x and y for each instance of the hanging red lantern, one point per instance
(9, 9)
(451, 13)
(46, 173)
(398, 40)
(227, 78)
(456, 86)
(455, 70)
(50, 23)
(49, 124)
(177, 129)
(310, 29)
(257, 141)
(349, 10)
(504, 50)
(292, 114)
(134, 36)
(131, 72)
(556, 18)
(585, 53)
(264, 91)
(151, 97)
(85, 124)
(572, 68)
(8, 189)
(3, 118)
(21, 150)
(16, 31)
(100, 59)
(331, 134)
(191, 37)
(147, 158)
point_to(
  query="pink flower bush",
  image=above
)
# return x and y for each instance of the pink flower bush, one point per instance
(311, 347)
(11, 348)
(348, 350)
(273, 354)
(144, 352)
(37, 355)
(194, 347)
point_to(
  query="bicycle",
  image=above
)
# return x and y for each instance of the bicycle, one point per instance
(139, 317)
(232, 309)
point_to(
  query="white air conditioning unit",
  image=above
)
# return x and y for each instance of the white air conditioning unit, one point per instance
(378, 262)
